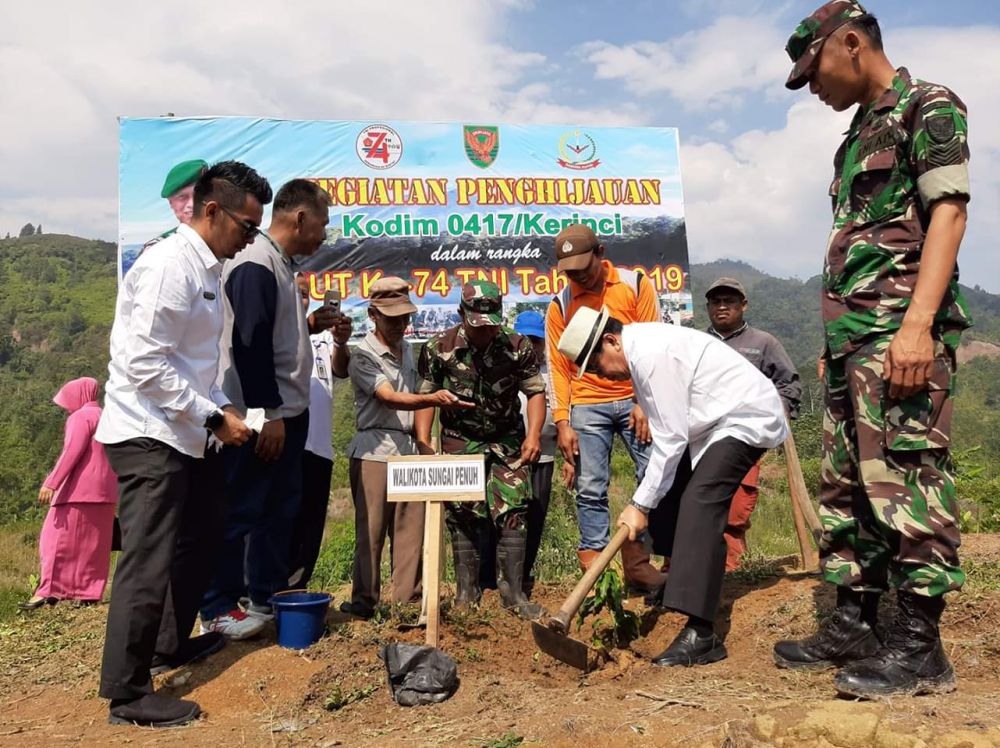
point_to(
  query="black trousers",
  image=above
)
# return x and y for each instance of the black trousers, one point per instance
(317, 473)
(688, 525)
(170, 510)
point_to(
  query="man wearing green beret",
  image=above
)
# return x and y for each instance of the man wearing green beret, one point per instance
(178, 189)
(893, 314)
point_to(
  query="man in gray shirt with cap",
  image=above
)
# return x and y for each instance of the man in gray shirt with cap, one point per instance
(727, 303)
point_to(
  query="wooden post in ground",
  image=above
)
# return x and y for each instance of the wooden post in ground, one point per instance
(433, 480)
(806, 522)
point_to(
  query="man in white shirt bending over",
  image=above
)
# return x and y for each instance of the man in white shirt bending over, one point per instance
(161, 404)
(712, 414)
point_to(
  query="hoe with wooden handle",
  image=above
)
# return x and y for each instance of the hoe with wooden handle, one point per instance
(552, 636)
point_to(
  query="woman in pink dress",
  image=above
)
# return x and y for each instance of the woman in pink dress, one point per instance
(75, 544)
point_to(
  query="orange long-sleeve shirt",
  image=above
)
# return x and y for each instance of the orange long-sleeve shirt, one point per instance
(624, 304)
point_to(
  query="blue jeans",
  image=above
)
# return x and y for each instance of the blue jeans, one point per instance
(262, 506)
(596, 426)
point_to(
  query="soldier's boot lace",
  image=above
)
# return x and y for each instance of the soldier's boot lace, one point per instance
(510, 572)
(847, 635)
(911, 662)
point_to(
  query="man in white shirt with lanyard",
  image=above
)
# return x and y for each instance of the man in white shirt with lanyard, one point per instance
(161, 403)
(317, 459)
(712, 414)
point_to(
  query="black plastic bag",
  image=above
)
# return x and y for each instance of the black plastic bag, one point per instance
(419, 675)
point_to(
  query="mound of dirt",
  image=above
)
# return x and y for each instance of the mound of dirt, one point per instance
(335, 693)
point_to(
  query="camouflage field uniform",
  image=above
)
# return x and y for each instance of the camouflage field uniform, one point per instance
(888, 500)
(492, 379)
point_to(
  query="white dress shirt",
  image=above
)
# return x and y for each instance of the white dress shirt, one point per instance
(695, 390)
(320, 438)
(165, 347)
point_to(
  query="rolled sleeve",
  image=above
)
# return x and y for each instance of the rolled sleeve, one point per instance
(940, 150)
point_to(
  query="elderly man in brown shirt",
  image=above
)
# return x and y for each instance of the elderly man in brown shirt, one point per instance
(384, 377)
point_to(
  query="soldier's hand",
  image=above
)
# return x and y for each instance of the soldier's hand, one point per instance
(531, 450)
(45, 495)
(233, 432)
(569, 443)
(271, 442)
(909, 361)
(821, 366)
(639, 425)
(446, 399)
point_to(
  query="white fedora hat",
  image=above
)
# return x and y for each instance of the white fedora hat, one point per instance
(582, 335)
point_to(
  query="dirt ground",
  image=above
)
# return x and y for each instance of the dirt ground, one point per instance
(255, 693)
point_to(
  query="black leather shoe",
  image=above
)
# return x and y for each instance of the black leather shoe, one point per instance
(358, 610)
(911, 662)
(691, 648)
(192, 650)
(847, 635)
(153, 710)
(36, 603)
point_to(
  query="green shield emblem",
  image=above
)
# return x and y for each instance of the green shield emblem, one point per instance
(482, 144)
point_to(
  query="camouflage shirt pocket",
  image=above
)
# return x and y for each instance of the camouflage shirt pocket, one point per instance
(923, 420)
(876, 188)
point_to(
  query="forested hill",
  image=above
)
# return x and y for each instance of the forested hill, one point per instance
(57, 296)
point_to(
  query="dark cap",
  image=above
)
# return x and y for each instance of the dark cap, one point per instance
(391, 296)
(807, 39)
(482, 303)
(185, 173)
(728, 283)
(574, 245)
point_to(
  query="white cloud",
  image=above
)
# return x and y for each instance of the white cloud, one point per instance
(706, 69)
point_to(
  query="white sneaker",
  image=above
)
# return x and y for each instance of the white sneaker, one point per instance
(263, 613)
(234, 625)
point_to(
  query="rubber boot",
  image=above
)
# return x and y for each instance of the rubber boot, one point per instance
(510, 571)
(911, 662)
(847, 636)
(640, 575)
(466, 554)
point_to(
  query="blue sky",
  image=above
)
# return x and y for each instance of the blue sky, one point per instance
(756, 159)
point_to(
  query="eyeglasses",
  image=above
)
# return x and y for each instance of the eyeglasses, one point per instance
(250, 230)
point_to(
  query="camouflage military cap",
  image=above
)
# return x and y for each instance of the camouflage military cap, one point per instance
(183, 174)
(482, 303)
(807, 40)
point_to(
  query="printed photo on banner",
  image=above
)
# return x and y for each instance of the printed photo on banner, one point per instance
(436, 203)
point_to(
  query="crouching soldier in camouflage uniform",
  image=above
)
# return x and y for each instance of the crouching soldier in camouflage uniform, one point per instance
(893, 314)
(487, 364)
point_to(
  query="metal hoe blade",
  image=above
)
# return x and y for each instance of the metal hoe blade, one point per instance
(564, 648)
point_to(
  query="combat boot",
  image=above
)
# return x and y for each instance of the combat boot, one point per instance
(510, 571)
(847, 635)
(466, 554)
(911, 662)
(640, 575)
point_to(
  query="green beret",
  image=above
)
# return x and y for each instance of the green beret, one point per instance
(185, 173)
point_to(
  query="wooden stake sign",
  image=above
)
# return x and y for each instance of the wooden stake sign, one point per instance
(433, 480)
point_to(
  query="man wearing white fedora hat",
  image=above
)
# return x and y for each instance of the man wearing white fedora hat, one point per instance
(712, 414)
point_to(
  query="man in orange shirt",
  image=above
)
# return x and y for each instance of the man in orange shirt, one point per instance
(589, 410)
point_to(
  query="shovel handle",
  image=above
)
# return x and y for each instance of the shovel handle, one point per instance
(560, 621)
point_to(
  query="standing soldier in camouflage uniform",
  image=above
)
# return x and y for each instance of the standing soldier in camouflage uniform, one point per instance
(482, 362)
(893, 314)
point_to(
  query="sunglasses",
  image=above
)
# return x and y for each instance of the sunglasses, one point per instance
(250, 230)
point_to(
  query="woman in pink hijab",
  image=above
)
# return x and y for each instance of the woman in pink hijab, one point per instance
(81, 490)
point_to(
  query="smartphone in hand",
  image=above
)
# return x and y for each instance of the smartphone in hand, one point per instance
(331, 300)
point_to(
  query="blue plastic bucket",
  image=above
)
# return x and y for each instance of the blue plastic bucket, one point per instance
(300, 617)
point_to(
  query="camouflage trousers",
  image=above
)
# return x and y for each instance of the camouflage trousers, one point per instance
(887, 495)
(508, 484)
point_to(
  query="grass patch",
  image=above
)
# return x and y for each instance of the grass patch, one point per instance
(981, 576)
(18, 565)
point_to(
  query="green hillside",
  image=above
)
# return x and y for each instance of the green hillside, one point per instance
(57, 300)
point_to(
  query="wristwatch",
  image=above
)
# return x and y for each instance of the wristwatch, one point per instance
(216, 419)
(641, 508)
